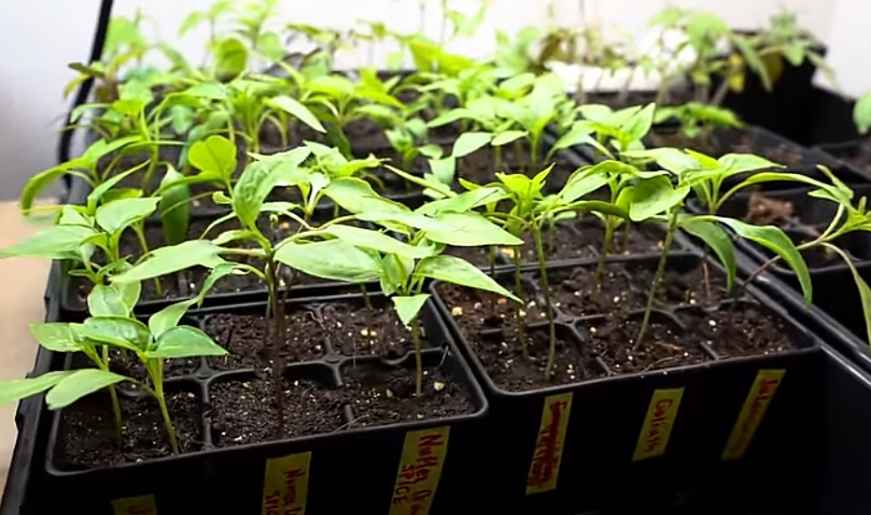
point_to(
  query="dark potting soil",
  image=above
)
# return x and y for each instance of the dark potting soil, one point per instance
(384, 395)
(501, 353)
(355, 330)
(763, 210)
(125, 363)
(248, 339)
(732, 330)
(479, 256)
(243, 412)
(664, 345)
(580, 239)
(476, 310)
(87, 430)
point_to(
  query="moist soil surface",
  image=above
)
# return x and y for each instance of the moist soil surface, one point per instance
(249, 341)
(607, 322)
(384, 395)
(356, 330)
(243, 412)
(481, 167)
(87, 430)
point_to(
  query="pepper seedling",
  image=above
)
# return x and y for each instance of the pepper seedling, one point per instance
(113, 326)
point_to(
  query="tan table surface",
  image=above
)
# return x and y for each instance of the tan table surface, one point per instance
(22, 283)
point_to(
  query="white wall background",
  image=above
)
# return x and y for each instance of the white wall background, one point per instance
(39, 39)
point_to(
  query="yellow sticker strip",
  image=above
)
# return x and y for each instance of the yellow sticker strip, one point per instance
(752, 412)
(285, 484)
(420, 468)
(142, 505)
(549, 443)
(658, 423)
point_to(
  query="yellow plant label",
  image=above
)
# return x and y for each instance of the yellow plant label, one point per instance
(548, 453)
(420, 468)
(752, 412)
(658, 423)
(285, 484)
(141, 505)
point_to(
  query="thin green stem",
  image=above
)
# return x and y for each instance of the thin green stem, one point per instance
(418, 358)
(657, 277)
(545, 286)
(518, 291)
(604, 252)
(164, 412)
(113, 393)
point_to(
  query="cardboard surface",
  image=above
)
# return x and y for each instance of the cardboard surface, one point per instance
(22, 284)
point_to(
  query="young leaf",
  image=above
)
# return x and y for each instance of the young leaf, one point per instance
(105, 300)
(17, 389)
(506, 137)
(652, 197)
(231, 59)
(120, 214)
(215, 155)
(333, 259)
(169, 317)
(293, 107)
(469, 142)
(862, 113)
(774, 239)
(407, 307)
(79, 384)
(468, 230)
(167, 260)
(175, 209)
(861, 285)
(369, 239)
(459, 271)
(127, 333)
(717, 239)
(357, 196)
(54, 336)
(58, 242)
(184, 342)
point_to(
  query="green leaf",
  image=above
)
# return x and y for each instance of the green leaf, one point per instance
(214, 155)
(717, 239)
(175, 209)
(774, 239)
(295, 108)
(336, 260)
(862, 113)
(17, 389)
(54, 336)
(168, 260)
(741, 163)
(506, 137)
(459, 271)
(468, 230)
(185, 342)
(231, 58)
(653, 197)
(39, 182)
(80, 383)
(469, 142)
(127, 333)
(408, 307)
(671, 159)
(169, 317)
(369, 239)
(357, 196)
(861, 285)
(463, 202)
(107, 300)
(117, 215)
(58, 242)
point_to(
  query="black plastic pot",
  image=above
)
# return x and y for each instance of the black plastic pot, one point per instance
(834, 288)
(777, 109)
(364, 460)
(829, 118)
(854, 154)
(616, 430)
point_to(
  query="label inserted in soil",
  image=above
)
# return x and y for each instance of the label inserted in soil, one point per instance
(141, 505)
(658, 423)
(752, 412)
(549, 443)
(285, 485)
(420, 468)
